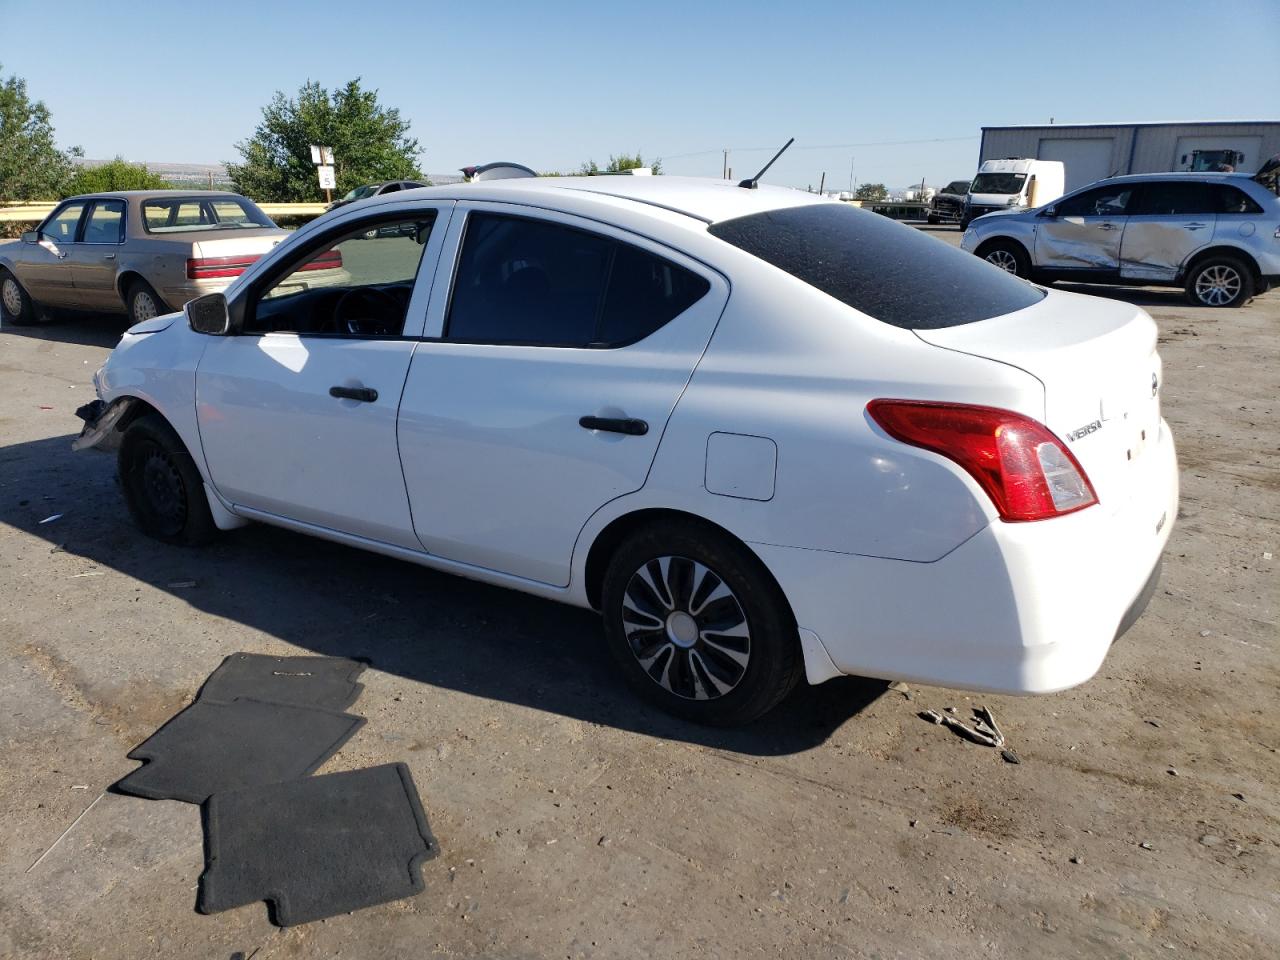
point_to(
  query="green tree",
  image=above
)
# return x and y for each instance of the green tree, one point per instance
(370, 143)
(871, 191)
(31, 165)
(118, 174)
(625, 161)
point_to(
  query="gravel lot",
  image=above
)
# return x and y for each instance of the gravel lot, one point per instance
(1143, 820)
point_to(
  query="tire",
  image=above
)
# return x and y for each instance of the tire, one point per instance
(142, 302)
(661, 574)
(162, 487)
(1220, 282)
(932, 220)
(1008, 256)
(16, 305)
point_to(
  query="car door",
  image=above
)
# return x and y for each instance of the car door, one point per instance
(297, 409)
(43, 268)
(1169, 220)
(1082, 233)
(93, 258)
(558, 354)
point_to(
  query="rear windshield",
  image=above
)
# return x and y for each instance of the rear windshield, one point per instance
(891, 272)
(189, 214)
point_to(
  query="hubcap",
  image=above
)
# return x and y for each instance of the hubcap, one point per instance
(144, 308)
(1218, 285)
(1003, 259)
(12, 296)
(686, 628)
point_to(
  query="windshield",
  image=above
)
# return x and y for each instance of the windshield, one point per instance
(891, 272)
(956, 186)
(359, 193)
(998, 183)
(190, 214)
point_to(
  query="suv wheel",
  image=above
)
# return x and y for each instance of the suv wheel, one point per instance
(16, 305)
(1220, 282)
(162, 486)
(698, 626)
(1009, 257)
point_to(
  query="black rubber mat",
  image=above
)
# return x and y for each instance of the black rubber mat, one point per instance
(328, 683)
(317, 847)
(214, 746)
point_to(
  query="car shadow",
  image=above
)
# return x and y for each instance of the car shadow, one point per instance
(90, 329)
(428, 627)
(1138, 296)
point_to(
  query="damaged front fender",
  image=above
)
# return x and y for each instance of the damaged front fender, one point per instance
(100, 422)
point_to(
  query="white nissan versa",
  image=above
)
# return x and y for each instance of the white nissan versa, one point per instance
(761, 432)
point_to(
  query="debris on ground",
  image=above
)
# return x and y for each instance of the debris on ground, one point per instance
(984, 731)
(1010, 756)
(1146, 846)
(180, 584)
(56, 516)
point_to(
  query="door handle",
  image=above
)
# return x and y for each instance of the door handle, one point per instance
(632, 428)
(363, 394)
(1106, 226)
(1195, 226)
(108, 256)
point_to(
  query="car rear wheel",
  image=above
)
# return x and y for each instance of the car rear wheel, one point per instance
(1009, 257)
(1220, 282)
(16, 305)
(143, 302)
(162, 487)
(698, 625)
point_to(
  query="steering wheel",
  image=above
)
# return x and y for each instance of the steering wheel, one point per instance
(367, 311)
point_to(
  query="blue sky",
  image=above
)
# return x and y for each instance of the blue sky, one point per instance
(553, 84)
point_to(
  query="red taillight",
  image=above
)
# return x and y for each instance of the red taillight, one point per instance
(207, 268)
(1026, 471)
(329, 260)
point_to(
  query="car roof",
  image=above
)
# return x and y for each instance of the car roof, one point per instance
(153, 194)
(700, 198)
(1206, 175)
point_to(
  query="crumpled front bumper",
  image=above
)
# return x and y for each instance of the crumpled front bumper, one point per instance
(100, 422)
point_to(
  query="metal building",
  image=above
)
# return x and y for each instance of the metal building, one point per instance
(1091, 151)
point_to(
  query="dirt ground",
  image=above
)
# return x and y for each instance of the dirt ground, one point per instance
(1142, 821)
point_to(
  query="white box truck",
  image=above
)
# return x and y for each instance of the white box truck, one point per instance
(1011, 184)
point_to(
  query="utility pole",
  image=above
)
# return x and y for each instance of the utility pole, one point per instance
(724, 172)
(851, 159)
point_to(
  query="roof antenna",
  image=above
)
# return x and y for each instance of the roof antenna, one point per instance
(752, 182)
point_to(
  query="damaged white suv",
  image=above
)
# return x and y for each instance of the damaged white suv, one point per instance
(766, 435)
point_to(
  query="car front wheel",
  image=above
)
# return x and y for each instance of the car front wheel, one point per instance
(16, 305)
(1220, 282)
(162, 486)
(698, 625)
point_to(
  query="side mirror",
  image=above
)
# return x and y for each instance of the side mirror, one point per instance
(1049, 212)
(209, 314)
(31, 236)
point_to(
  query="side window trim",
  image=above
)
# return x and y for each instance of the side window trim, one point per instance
(438, 316)
(279, 268)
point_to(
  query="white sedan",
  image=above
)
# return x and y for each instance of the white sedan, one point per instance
(763, 433)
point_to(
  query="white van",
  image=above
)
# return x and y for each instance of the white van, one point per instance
(1012, 184)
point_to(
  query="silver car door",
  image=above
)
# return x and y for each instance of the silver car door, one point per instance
(1169, 220)
(93, 259)
(1082, 232)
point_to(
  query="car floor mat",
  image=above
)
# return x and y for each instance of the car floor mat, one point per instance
(214, 746)
(317, 847)
(328, 683)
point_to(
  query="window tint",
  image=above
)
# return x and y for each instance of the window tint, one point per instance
(645, 293)
(1166, 198)
(1233, 200)
(357, 284)
(1111, 201)
(61, 227)
(534, 282)
(106, 222)
(889, 271)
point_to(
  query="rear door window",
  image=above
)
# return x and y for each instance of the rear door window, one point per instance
(889, 271)
(533, 282)
(105, 223)
(1172, 198)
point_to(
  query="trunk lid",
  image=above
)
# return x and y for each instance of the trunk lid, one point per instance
(1101, 373)
(237, 242)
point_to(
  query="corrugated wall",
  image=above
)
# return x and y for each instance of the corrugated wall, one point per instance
(1153, 153)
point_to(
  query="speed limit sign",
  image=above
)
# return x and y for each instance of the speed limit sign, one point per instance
(327, 181)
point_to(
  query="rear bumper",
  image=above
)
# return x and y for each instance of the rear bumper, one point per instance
(179, 294)
(1017, 608)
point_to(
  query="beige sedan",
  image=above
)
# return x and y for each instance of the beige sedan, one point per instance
(140, 252)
